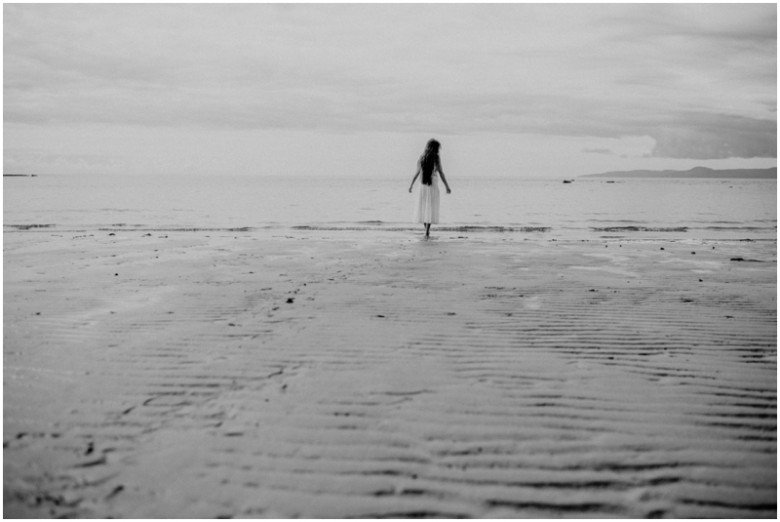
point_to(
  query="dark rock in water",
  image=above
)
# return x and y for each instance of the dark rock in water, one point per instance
(568, 181)
(290, 300)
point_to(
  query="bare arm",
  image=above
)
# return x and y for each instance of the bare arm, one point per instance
(441, 172)
(416, 175)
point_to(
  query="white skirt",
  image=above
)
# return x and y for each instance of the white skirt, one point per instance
(427, 209)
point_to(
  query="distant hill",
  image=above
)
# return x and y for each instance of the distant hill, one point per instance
(696, 172)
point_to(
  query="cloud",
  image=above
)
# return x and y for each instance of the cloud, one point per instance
(699, 79)
(36, 160)
(715, 136)
(606, 152)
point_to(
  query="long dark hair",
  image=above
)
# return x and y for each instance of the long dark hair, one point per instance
(429, 160)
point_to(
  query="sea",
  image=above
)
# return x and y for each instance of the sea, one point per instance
(581, 208)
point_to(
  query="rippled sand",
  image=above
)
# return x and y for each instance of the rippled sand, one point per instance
(344, 374)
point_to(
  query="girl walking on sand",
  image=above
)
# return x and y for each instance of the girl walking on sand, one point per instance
(427, 209)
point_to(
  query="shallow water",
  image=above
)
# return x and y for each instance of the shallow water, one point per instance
(587, 208)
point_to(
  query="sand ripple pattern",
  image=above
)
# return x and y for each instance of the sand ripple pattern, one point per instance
(320, 376)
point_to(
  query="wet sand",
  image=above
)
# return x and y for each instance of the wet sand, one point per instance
(343, 374)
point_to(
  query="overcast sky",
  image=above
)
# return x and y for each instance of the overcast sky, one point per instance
(509, 89)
